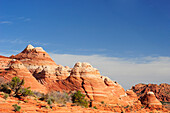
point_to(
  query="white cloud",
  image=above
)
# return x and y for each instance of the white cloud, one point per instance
(20, 41)
(25, 19)
(126, 72)
(5, 22)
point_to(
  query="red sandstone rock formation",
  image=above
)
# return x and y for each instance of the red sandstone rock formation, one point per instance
(35, 62)
(151, 101)
(11, 67)
(162, 91)
(97, 88)
(40, 64)
(81, 77)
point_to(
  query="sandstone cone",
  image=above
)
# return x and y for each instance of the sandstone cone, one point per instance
(151, 101)
(40, 64)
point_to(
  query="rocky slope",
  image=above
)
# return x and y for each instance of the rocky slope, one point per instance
(11, 67)
(162, 91)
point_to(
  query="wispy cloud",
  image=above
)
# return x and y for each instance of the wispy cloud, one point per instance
(91, 50)
(5, 22)
(20, 41)
(125, 71)
(25, 19)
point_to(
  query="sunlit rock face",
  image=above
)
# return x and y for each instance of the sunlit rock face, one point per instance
(96, 87)
(40, 64)
(151, 101)
(14, 68)
(83, 76)
(160, 91)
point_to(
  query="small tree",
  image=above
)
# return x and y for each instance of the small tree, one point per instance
(79, 99)
(16, 107)
(16, 85)
(26, 92)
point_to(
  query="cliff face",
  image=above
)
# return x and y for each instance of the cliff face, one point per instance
(162, 91)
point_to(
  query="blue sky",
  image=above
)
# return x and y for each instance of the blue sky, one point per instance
(125, 29)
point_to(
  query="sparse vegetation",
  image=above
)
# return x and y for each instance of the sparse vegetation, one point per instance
(26, 101)
(126, 106)
(95, 107)
(49, 102)
(15, 88)
(26, 92)
(79, 99)
(54, 97)
(5, 96)
(16, 107)
(102, 102)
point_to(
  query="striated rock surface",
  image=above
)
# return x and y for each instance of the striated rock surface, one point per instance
(36, 66)
(82, 76)
(13, 68)
(162, 91)
(40, 64)
(151, 101)
(97, 88)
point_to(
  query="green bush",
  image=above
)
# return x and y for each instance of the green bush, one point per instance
(102, 102)
(26, 92)
(16, 86)
(5, 96)
(49, 102)
(16, 107)
(79, 99)
(95, 107)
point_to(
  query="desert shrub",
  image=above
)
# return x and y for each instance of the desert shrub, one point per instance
(102, 102)
(37, 94)
(5, 96)
(79, 99)
(95, 107)
(26, 92)
(16, 107)
(126, 106)
(16, 87)
(58, 97)
(49, 102)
